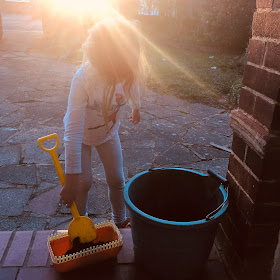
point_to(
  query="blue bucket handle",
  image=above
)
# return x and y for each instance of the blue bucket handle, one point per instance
(212, 214)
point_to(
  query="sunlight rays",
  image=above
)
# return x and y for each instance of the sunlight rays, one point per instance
(170, 59)
(106, 8)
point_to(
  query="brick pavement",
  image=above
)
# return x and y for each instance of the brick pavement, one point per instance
(24, 256)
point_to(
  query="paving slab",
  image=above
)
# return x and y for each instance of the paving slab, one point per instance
(19, 174)
(45, 186)
(37, 273)
(7, 224)
(13, 120)
(126, 255)
(13, 201)
(205, 136)
(209, 152)
(176, 155)
(46, 203)
(4, 240)
(218, 165)
(140, 158)
(167, 130)
(201, 110)
(7, 108)
(31, 134)
(18, 249)
(10, 155)
(98, 202)
(60, 222)
(8, 273)
(6, 133)
(41, 111)
(31, 223)
(39, 248)
(48, 172)
(184, 119)
(4, 185)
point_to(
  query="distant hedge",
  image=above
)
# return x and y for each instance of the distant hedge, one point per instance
(224, 23)
(227, 23)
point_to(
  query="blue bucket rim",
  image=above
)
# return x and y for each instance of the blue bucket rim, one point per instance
(166, 222)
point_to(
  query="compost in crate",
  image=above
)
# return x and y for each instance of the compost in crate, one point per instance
(77, 246)
(106, 246)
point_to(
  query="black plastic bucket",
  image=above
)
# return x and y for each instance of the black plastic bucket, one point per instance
(174, 218)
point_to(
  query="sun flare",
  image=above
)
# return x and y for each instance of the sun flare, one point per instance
(99, 7)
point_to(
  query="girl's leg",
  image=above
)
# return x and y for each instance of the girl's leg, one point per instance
(110, 154)
(85, 179)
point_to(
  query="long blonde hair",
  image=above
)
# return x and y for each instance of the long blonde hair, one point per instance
(113, 48)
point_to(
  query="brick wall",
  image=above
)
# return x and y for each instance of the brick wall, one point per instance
(253, 217)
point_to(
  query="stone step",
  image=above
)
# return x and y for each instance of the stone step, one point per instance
(25, 255)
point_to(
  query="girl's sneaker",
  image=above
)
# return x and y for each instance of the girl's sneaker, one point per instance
(125, 224)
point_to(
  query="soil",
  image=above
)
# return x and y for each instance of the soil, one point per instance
(78, 246)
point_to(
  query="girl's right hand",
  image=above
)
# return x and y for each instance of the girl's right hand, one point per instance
(68, 192)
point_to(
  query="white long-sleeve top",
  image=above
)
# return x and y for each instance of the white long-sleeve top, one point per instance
(84, 122)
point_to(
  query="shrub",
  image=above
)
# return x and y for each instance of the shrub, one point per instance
(227, 23)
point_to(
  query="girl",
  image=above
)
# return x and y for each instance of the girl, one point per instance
(110, 77)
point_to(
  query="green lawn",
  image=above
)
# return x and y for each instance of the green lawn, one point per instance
(185, 71)
(198, 75)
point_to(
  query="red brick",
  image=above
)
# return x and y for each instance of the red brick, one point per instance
(231, 230)
(262, 81)
(272, 59)
(18, 249)
(268, 213)
(213, 255)
(264, 112)
(38, 273)
(255, 78)
(264, 3)
(4, 239)
(272, 87)
(277, 4)
(256, 51)
(272, 149)
(230, 253)
(233, 190)
(238, 146)
(266, 24)
(39, 253)
(254, 162)
(271, 169)
(260, 234)
(269, 191)
(247, 207)
(243, 177)
(247, 101)
(126, 255)
(259, 27)
(275, 126)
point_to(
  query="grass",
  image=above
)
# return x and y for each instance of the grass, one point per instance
(183, 70)
(188, 73)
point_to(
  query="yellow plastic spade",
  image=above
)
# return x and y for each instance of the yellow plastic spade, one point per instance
(81, 226)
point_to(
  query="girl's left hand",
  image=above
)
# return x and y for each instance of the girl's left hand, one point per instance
(135, 116)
